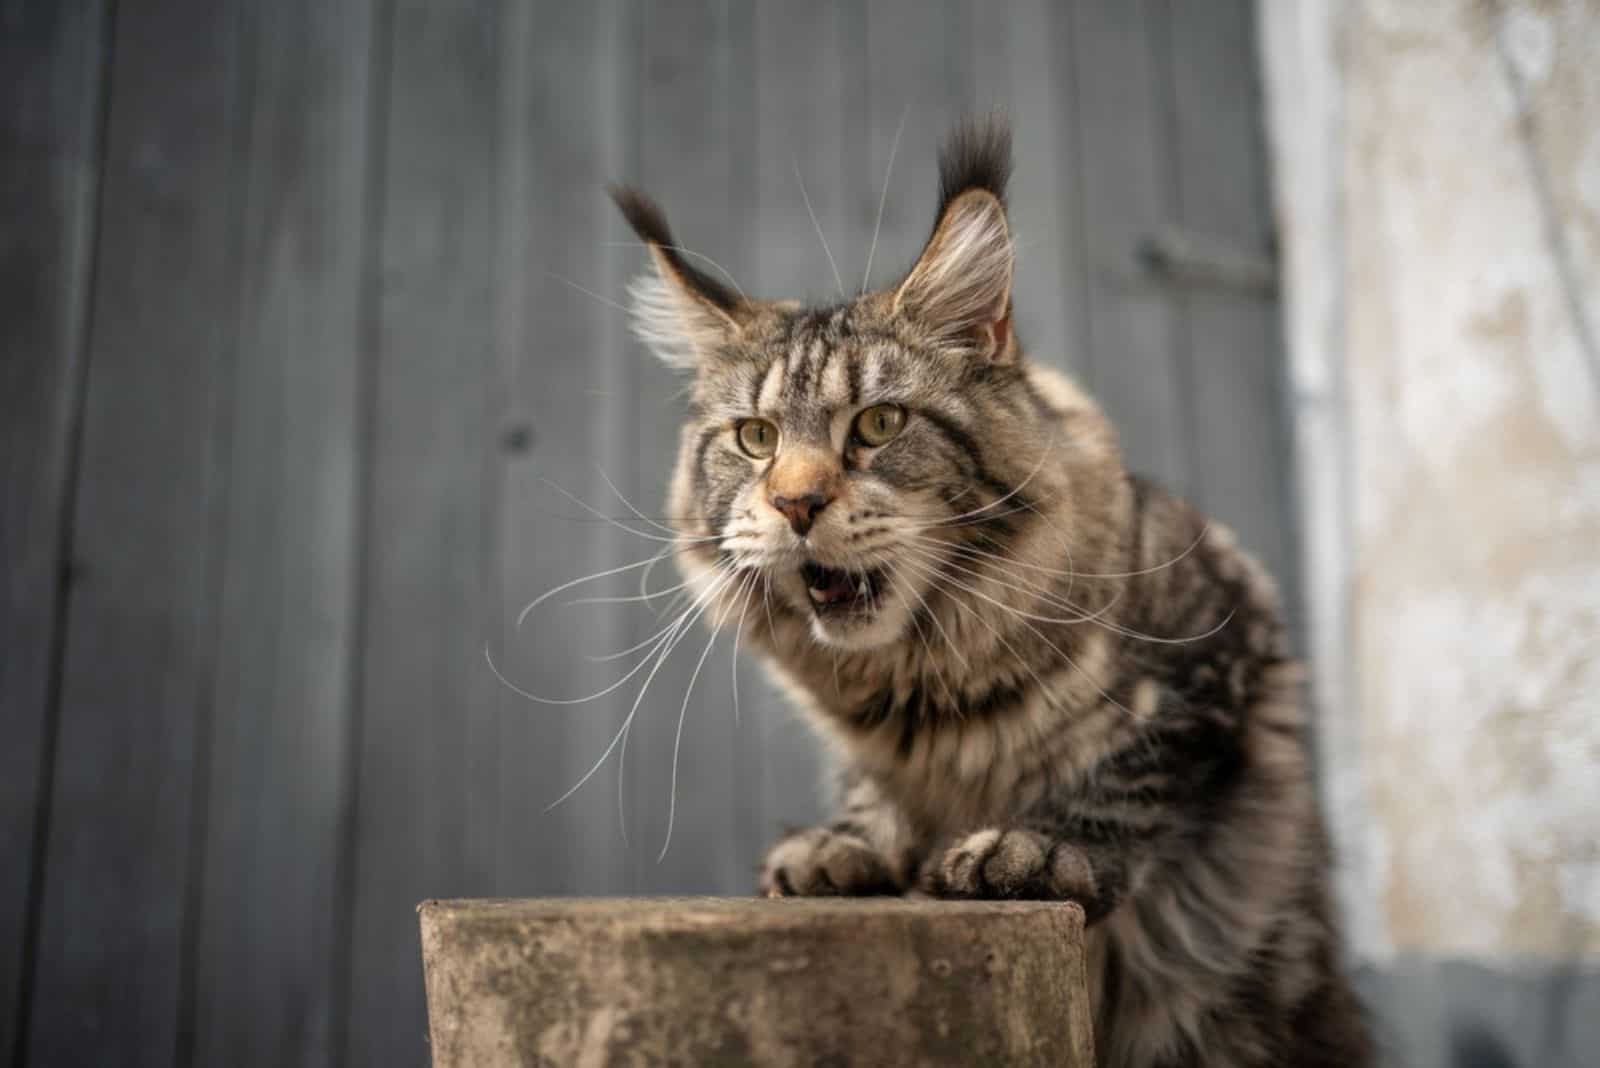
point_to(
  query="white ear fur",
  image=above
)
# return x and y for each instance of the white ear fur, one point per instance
(678, 325)
(961, 284)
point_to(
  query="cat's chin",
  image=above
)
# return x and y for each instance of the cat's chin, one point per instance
(856, 631)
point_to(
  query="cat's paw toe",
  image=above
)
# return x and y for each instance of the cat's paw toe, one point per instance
(823, 863)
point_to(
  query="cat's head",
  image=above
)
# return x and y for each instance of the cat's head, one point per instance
(830, 451)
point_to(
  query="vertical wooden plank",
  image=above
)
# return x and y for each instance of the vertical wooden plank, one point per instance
(52, 63)
(690, 103)
(569, 378)
(918, 68)
(267, 928)
(122, 854)
(1023, 68)
(1124, 167)
(1241, 437)
(426, 707)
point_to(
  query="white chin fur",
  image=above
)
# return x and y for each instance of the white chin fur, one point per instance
(884, 628)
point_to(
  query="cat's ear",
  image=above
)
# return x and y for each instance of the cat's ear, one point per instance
(961, 284)
(679, 311)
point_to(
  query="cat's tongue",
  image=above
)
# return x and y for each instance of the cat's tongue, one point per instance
(828, 586)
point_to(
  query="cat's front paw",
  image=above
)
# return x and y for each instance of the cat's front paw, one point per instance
(1013, 863)
(819, 862)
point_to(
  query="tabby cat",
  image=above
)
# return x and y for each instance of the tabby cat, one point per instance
(1042, 677)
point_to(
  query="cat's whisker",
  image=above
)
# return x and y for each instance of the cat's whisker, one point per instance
(681, 628)
(677, 738)
(624, 598)
(1044, 455)
(933, 579)
(629, 505)
(883, 197)
(675, 538)
(1091, 617)
(825, 250)
(659, 635)
(955, 650)
(545, 596)
(901, 587)
(1074, 574)
(748, 589)
(1084, 616)
(590, 293)
(1052, 645)
(619, 654)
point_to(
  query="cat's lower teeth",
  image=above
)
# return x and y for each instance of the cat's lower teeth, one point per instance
(827, 587)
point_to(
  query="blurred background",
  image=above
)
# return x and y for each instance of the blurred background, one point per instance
(313, 361)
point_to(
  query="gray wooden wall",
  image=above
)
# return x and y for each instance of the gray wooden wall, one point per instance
(293, 341)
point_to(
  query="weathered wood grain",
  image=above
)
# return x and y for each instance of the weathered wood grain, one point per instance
(272, 833)
(112, 980)
(52, 65)
(427, 708)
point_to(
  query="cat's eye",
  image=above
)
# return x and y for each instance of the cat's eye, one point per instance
(880, 423)
(757, 437)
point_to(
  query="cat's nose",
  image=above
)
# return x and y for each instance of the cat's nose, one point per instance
(800, 511)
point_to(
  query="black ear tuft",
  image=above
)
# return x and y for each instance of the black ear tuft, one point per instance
(977, 156)
(642, 214)
(649, 222)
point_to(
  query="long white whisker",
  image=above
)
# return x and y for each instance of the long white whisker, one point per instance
(894, 573)
(546, 595)
(1073, 574)
(1090, 617)
(998, 571)
(633, 598)
(1043, 456)
(749, 588)
(1043, 689)
(629, 504)
(531, 696)
(677, 738)
(589, 292)
(592, 510)
(825, 251)
(954, 649)
(1057, 649)
(681, 629)
(883, 197)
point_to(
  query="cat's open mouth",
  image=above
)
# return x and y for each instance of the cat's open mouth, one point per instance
(834, 590)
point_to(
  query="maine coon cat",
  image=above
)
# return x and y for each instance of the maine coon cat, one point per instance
(1041, 676)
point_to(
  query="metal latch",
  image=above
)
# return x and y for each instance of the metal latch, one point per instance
(1181, 257)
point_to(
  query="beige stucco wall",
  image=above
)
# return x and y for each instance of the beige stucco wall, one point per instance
(1450, 284)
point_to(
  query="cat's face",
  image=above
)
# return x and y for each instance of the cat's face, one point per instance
(829, 452)
(830, 449)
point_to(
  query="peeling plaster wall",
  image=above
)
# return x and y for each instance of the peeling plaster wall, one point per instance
(1472, 267)
(1438, 185)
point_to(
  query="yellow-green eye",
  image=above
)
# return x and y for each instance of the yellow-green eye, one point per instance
(880, 423)
(757, 437)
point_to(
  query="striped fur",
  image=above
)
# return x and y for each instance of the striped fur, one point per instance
(1068, 684)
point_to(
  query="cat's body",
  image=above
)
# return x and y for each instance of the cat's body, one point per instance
(1040, 676)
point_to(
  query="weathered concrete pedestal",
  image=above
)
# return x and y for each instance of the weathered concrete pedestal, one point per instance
(713, 981)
